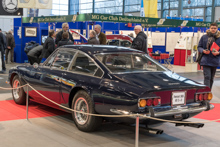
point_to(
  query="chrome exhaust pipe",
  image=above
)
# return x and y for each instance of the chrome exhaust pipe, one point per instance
(154, 131)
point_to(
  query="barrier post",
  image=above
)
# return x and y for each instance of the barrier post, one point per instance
(27, 103)
(137, 131)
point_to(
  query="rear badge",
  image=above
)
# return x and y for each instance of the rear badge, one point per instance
(178, 116)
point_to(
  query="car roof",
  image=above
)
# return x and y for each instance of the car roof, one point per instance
(96, 49)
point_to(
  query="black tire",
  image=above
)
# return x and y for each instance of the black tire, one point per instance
(19, 96)
(89, 123)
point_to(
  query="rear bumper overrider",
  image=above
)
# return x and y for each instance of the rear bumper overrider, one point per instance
(168, 110)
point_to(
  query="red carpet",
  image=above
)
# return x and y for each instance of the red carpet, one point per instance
(210, 115)
(11, 111)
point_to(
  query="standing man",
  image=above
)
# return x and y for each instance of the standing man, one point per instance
(2, 50)
(210, 60)
(65, 28)
(10, 46)
(49, 45)
(140, 42)
(100, 36)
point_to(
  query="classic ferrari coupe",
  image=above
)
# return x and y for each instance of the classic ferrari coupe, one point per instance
(110, 80)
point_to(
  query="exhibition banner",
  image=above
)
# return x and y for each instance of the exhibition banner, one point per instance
(117, 18)
(197, 24)
(145, 21)
(36, 4)
(43, 4)
(150, 8)
(66, 18)
(26, 3)
(9, 7)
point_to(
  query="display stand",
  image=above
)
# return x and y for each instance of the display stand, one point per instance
(190, 65)
(182, 49)
(184, 52)
(149, 41)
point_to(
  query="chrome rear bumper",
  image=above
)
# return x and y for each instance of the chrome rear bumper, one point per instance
(157, 112)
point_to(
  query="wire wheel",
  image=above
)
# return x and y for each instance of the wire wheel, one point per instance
(82, 106)
(82, 102)
(18, 94)
(17, 90)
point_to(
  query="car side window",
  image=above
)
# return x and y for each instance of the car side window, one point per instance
(63, 59)
(84, 64)
(126, 43)
(113, 42)
(50, 62)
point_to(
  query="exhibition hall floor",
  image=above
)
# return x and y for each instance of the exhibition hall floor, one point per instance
(53, 128)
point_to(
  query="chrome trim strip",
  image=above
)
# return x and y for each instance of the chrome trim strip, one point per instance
(180, 111)
(172, 111)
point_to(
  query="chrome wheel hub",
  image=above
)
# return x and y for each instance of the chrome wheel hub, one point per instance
(17, 90)
(81, 105)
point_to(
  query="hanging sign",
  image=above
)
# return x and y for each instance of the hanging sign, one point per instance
(44, 4)
(144, 21)
(26, 3)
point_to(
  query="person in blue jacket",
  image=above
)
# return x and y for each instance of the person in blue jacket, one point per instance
(210, 60)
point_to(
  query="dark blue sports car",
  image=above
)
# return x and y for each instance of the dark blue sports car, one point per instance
(110, 80)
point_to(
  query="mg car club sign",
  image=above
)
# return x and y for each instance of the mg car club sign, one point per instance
(10, 7)
(145, 21)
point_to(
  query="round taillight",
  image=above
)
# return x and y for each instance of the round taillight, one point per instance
(200, 97)
(210, 96)
(197, 97)
(205, 96)
(149, 102)
(143, 103)
(155, 102)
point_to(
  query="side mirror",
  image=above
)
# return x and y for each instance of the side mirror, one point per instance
(35, 65)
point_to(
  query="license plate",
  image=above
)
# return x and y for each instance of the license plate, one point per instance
(178, 98)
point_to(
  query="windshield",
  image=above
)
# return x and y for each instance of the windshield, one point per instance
(128, 62)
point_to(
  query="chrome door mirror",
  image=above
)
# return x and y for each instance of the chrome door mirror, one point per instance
(35, 65)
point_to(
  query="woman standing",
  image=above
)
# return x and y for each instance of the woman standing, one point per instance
(65, 40)
(92, 38)
(210, 60)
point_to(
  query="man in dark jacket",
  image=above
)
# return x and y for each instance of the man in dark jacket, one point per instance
(92, 38)
(2, 50)
(34, 54)
(10, 46)
(210, 60)
(140, 42)
(49, 45)
(65, 40)
(101, 37)
(65, 28)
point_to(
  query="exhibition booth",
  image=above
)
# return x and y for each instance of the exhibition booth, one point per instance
(165, 36)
